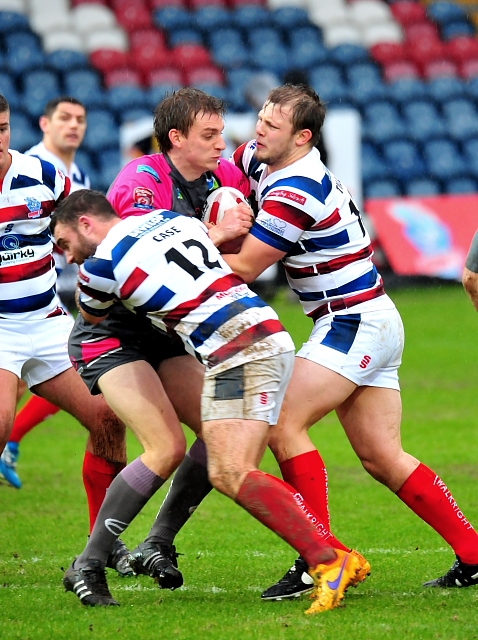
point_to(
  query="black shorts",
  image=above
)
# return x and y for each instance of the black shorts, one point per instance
(123, 337)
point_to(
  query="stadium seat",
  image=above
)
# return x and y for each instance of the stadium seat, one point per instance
(443, 12)
(9, 89)
(421, 31)
(185, 36)
(423, 120)
(124, 76)
(227, 34)
(329, 14)
(425, 51)
(462, 48)
(405, 160)
(374, 166)
(23, 134)
(114, 38)
(402, 69)
(210, 17)
(341, 34)
(63, 40)
(44, 22)
(468, 69)
(443, 159)
(198, 4)
(23, 58)
(389, 52)
(85, 85)
(471, 88)
(289, 18)
(261, 35)
(125, 97)
(231, 55)
(365, 89)
(385, 32)
(102, 132)
(443, 89)
(309, 33)
(45, 78)
(461, 185)
(15, 6)
(443, 68)
(366, 69)
(367, 12)
(158, 91)
(173, 17)
(307, 55)
(422, 187)
(149, 57)
(160, 4)
(205, 75)
(165, 76)
(346, 54)
(89, 17)
(143, 37)
(106, 60)
(134, 16)
(213, 89)
(64, 60)
(382, 132)
(382, 189)
(405, 89)
(13, 22)
(248, 16)
(270, 57)
(190, 56)
(408, 12)
(463, 127)
(457, 29)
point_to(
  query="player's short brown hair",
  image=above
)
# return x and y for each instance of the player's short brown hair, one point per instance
(4, 106)
(52, 105)
(179, 109)
(79, 203)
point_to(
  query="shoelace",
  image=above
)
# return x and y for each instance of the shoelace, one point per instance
(98, 578)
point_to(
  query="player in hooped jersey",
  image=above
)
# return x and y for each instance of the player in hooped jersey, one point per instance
(34, 327)
(164, 266)
(63, 124)
(350, 363)
(188, 126)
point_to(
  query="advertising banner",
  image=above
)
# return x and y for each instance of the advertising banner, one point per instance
(425, 236)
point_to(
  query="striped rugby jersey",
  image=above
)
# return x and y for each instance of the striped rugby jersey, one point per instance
(78, 178)
(31, 189)
(163, 265)
(305, 211)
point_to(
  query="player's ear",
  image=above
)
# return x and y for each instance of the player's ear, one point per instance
(175, 137)
(43, 123)
(303, 137)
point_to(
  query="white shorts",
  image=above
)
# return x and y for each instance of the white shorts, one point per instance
(35, 350)
(365, 347)
(252, 391)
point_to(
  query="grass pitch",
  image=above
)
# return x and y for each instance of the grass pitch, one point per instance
(229, 558)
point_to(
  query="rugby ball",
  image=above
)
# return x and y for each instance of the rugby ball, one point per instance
(219, 201)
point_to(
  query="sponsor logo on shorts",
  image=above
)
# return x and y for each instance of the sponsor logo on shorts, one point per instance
(264, 397)
(289, 195)
(365, 362)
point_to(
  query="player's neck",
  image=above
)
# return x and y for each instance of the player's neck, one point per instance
(4, 171)
(297, 154)
(188, 172)
(67, 157)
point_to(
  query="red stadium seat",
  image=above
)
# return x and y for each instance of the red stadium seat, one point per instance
(389, 52)
(148, 57)
(134, 16)
(106, 60)
(160, 4)
(421, 31)
(165, 76)
(147, 37)
(407, 12)
(469, 69)
(197, 4)
(422, 52)
(462, 49)
(442, 68)
(209, 74)
(127, 75)
(235, 4)
(190, 56)
(75, 3)
(398, 70)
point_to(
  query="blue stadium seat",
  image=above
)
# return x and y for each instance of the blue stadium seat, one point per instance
(264, 35)
(328, 82)
(171, 18)
(24, 134)
(461, 185)
(406, 89)
(382, 132)
(422, 187)
(86, 162)
(374, 166)
(248, 16)
(424, 121)
(45, 78)
(157, 92)
(381, 110)
(13, 22)
(289, 18)
(382, 189)
(464, 126)
(102, 132)
(124, 97)
(230, 55)
(307, 55)
(309, 33)
(405, 160)
(443, 12)
(23, 58)
(454, 108)
(218, 37)
(470, 149)
(443, 160)
(347, 54)
(20, 39)
(213, 89)
(212, 17)
(457, 29)
(185, 36)
(444, 89)
(270, 57)
(131, 115)
(365, 89)
(365, 69)
(9, 89)
(65, 60)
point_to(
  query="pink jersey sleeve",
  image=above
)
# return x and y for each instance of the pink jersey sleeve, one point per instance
(143, 185)
(232, 176)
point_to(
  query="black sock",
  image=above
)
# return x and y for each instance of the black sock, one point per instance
(188, 489)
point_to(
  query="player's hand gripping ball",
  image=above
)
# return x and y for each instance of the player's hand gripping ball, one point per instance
(219, 201)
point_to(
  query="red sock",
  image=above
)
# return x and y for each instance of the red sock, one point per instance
(273, 502)
(98, 474)
(428, 496)
(34, 412)
(307, 474)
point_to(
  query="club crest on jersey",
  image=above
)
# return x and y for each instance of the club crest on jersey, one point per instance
(289, 195)
(143, 198)
(34, 207)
